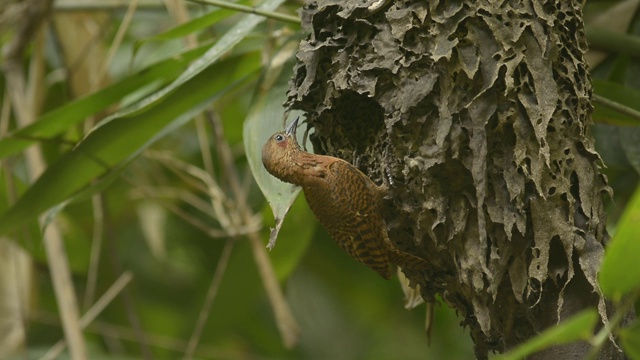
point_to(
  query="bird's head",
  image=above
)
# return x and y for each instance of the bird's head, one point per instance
(279, 152)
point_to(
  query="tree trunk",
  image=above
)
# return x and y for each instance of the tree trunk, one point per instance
(480, 112)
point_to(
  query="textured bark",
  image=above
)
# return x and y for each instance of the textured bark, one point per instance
(480, 111)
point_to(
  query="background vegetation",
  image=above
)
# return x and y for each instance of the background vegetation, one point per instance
(126, 137)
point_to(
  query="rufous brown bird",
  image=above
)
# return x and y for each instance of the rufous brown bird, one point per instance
(346, 202)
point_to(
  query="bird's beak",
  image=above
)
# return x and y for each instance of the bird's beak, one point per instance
(291, 129)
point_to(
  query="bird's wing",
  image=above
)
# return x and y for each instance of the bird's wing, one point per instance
(315, 166)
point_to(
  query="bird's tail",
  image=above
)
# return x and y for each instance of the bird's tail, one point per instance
(408, 261)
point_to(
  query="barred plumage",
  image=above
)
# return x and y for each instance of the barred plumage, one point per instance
(345, 201)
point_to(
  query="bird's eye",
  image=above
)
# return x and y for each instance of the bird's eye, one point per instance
(279, 138)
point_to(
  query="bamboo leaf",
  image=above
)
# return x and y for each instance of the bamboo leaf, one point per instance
(620, 273)
(631, 340)
(579, 327)
(618, 94)
(61, 119)
(122, 138)
(220, 48)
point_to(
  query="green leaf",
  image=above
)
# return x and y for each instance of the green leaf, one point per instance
(620, 272)
(296, 235)
(579, 327)
(220, 48)
(123, 135)
(266, 118)
(604, 39)
(616, 93)
(619, 69)
(122, 138)
(630, 338)
(59, 120)
(194, 25)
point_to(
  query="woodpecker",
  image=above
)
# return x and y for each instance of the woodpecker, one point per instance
(346, 202)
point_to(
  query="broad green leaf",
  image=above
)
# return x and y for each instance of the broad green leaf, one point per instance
(296, 234)
(579, 327)
(122, 138)
(616, 93)
(619, 70)
(620, 272)
(59, 120)
(265, 118)
(630, 338)
(96, 186)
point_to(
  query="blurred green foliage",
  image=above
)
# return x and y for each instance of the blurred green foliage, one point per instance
(114, 177)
